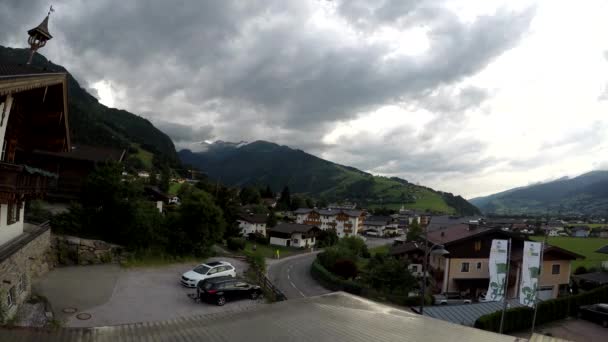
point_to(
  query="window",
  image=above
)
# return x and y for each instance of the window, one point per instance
(22, 285)
(415, 268)
(3, 150)
(479, 265)
(10, 297)
(477, 246)
(295, 241)
(13, 214)
(555, 269)
(213, 271)
(464, 267)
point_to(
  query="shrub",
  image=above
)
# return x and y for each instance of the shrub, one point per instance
(520, 318)
(580, 270)
(236, 244)
(345, 268)
(332, 282)
(332, 254)
(256, 261)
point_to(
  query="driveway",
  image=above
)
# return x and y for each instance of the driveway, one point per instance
(112, 295)
(292, 276)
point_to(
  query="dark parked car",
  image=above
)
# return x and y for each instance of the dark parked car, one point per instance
(595, 312)
(222, 289)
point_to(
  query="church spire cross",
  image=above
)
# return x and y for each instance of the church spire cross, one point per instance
(39, 35)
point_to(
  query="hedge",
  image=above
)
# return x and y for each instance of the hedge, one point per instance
(332, 282)
(335, 283)
(520, 318)
(235, 244)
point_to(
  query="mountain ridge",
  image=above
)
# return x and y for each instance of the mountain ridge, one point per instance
(93, 123)
(586, 194)
(265, 163)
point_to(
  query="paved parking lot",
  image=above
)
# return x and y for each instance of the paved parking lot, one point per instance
(112, 295)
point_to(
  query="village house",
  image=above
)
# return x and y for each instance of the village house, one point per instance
(33, 117)
(252, 223)
(600, 232)
(580, 231)
(345, 222)
(465, 268)
(380, 226)
(293, 235)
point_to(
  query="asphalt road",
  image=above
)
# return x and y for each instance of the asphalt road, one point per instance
(292, 277)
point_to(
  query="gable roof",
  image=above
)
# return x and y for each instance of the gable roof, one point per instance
(600, 278)
(459, 232)
(405, 248)
(329, 212)
(291, 228)
(253, 218)
(379, 219)
(603, 250)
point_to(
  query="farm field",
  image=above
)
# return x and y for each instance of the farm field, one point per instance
(583, 246)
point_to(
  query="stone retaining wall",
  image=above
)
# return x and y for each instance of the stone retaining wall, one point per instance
(71, 250)
(17, 271)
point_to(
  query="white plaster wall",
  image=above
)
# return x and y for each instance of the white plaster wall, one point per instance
(7, 232)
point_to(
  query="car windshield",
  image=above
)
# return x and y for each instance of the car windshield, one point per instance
(202, 269)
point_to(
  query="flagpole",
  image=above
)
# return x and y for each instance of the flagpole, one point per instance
(540, 269)
(504, 297)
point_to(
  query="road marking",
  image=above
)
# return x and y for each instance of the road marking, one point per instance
(288, 277)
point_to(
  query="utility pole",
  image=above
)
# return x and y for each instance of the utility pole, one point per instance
(504, 298)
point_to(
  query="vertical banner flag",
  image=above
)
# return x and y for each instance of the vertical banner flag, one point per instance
(530, 271)
(498, 270)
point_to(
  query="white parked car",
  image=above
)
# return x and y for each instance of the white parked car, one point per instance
(206, 271)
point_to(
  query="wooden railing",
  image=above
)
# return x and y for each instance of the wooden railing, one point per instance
(268, 286)
(14, 179)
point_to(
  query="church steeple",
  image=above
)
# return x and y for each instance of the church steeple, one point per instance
(39, 35)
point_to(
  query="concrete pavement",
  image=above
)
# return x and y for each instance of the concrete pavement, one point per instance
(292, 276)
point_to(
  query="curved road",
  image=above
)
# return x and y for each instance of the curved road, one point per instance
(292, 276)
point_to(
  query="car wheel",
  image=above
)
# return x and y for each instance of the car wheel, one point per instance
(221, 301)
(254, 295)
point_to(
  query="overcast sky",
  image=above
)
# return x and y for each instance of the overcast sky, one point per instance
(471, 97)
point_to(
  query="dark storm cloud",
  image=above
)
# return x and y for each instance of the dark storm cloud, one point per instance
(247, 70)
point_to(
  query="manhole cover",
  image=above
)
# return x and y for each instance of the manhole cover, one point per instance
(83, 316)
(69, 310)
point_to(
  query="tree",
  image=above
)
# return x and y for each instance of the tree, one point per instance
(284, 202)
(267, 193)
(345, 268)
(414, 232)
(297, 202)
(309, 203)
(327, 238)
(165, 178)
(249, 195)
(388, 274)
(271, 221)
(199, 224)
(322, 203)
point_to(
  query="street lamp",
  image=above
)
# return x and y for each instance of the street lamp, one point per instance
(436, 249)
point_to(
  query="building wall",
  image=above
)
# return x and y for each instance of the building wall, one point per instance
(297, 240)
(549, 279)
(248, 227)
(9, 232)
(30, 262)
(278, 241)
(325, 222)
(5, 111)
(455, 270)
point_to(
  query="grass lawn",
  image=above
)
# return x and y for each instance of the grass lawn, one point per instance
(173, 188)
(380, 249)
(583, 246)
(144, 156)
(269, 250)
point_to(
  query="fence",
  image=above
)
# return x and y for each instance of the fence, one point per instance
(269, 287)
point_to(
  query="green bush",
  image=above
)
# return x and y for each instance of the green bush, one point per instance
(256, 261)
(520, 318)
(236, 244)
(332, 282)
(258, 238)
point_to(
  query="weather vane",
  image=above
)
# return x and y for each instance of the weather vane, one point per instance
(51, 9)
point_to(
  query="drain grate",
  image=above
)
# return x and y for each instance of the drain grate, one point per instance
(83, 316)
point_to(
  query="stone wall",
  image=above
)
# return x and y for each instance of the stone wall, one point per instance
(18, 270)
(71, 250)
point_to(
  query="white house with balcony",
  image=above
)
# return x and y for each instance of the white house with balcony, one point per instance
(252, 223)
(345, 222)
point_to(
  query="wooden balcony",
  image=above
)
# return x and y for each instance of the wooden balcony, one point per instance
(19, 182)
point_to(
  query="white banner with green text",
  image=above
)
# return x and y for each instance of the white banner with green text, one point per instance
(530, 271)
(498, 270)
